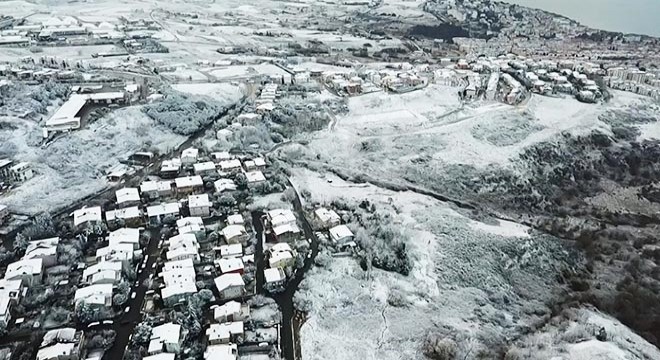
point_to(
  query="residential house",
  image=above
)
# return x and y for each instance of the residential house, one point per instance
(326, 218)
(29, 271)
(125, 236)
(165, 338)
(235, 219)
(224, 185)
(178, 292)
(156, 189)
(45, 249)
(234, 234)
(232, 332)
(156, 213)
(104, 272)
(230, 250)
(127, 196)
(178, 264)
(87, 215)
(231, 311)
(188, 184)
(221, 156)
(279, 217)
(170, 168)
(199, 205)
(218, 352)
(11, 289)
(230, 166)
(62, 344)
(5, 165)
(191, 225)
(230, 286)
(274, 278)
(5, 311)
(341, 234)
(231, 265)
(95, 295)
(204, 168)
(130, 216)
(255, 177)
(189, 156)
(117, 252)
(183, 246)
(21, 172)
(161, 356)
(287, 232)
(281, 255)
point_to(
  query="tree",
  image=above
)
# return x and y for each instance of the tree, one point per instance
(241, 181)
(142, 333)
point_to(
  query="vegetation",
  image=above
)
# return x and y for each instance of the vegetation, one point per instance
(183, 114)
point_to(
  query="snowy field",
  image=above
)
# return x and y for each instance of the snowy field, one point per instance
(463, 269)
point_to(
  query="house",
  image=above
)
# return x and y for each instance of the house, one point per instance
(220, 156)
(156, 213)
(165, 338)
(5, 165)
(155, 189)
(199, 205)
(117, 252)
(225, 333)
(62, 344)
(189, 156)
(281, 256)
(204, 168)
(231, 265)
(87, 215)
(235, 219)
(183, 246)
(189, 184)
(21, 172)
(5, 311)
(341, 234)
(127, 196)
(218, 352)
(191, 225)
(104, 272)
(224, 185)
(234, 234)
(327, 218)
(131, 216)
(279, 217)
(11, 289)
(231, 311)
(45, 249)
(170, 168)
(230, 166)
(255, 177)
(29, 271)
(178, 292)
(248, 118)
(254, 164)
(125, 236)
(231, 250)
(96, 295)
(4, 213)
(230, 286)
(286, 232)
(161, 356)
(274, 278)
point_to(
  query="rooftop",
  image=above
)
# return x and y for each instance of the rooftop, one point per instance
(225, 281)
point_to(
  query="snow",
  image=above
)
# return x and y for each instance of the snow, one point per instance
(223, 92)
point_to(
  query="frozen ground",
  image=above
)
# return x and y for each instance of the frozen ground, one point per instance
(225, 93)
(469, 277)
(73, 166)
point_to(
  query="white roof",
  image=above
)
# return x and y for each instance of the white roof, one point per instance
(255, 176)
(235, 219)
(189, 181)
(179, 276)
(55, 351)
(196, 201)
(7, 285)
(126, 195)
(4, 305)
(280, 247)
(161, 356)
(124, 236)
(230, 164)
(286, 228)
(232, 231)
(203, 166)
(182, 251)
(225, 281)
(94, 294)
(190, 225)
(326, 215)
(102, 266)
(121, 251)
(170, 165)
(183, 240)
(224, 185)
(224, 331)
(17, 269)
(163, 209)
(229, 308)
(159, 186)
(190, 153)
(273, 275)
(167, 333)
(278, 256)
(178, 264)
(179, 289)
(230, 264)
(125, 213)
(217, 352)
(259, 162)
(281, 216)
(41, 248)
(231, 250)
(2, 207)
(340, 232)
(222, 155)
(84, 215)
(68, 110)
(58, 335)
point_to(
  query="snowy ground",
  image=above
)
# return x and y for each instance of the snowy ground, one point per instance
(463, 270)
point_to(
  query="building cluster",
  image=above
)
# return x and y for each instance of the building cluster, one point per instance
(638, 81)
(14, 172)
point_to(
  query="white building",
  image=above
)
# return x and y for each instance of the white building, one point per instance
(274, 278)
(341, 234)
(204, 168)
(231, 250)
(45, 249)
(29, 271)
(127, 196)
(21, 172)
(117, 252)
(255, 177)
(231, 311)
(156, 189)
(234, 234)
(156, 213)
(232, 165)
(225, 333)
(189, 156)
(130, 215)
(5, 310)
(199, 205)
(218, 352)
(104, 272)
(98, 295)
(327, 218)
(224, 185)
(125, 236)
(87, 215)
(165, 338)
(279, 217)
(191, 225)
(230, 286)
(161, 356)
(189, 184)
(235, 219)
(231, 265)
(280, 255)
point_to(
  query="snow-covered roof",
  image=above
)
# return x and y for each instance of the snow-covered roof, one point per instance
(132, 212)
(286, 228)
(159, 186)
(102, 266)
(230, 164)
(183, 240)
(178, 264)
(56, 351)
(163, 209)
(59, 335)
(235, 219)
(279, 256)
(119, 252)
(280, 247)
(67, 112)
(41, 248)
(217, 352)
(340, 232)
(167, 333)
(281, 216)
(170, 165)
(259, 162)
(232, 231)
(272, 275)
(179, 289)
(255, 176)
(17, 269)
(225, 281)
(189, 225)
(127, 194)
(228, 265)
(222, 155)
(97, 294)
(224, 185)
(190, 153)
(229, 308)
(161, 356)
(124, 236)
(231, 250)
(189, 181)
(197, 201)
(326, 215)
(182, 251)
(84, 215)
(203, 167)
(224, 331)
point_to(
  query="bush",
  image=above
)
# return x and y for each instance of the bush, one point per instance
(183, 114)
(437, 348)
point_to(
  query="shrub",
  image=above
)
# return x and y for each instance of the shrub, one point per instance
(437, 348)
